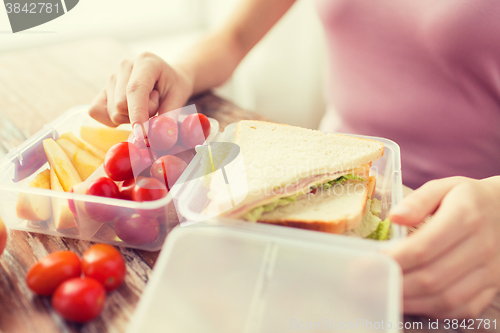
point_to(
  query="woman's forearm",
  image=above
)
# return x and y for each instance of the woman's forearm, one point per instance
(211, 61)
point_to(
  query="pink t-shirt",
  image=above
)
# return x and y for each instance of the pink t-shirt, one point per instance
(424, 73)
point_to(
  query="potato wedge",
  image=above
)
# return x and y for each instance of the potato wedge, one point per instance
(103, 137)
(35, 207)
(61, 164)
(84, 162)
(63, 217)
(84, 145)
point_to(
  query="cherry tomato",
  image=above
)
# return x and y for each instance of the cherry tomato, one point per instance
(79, 299)
(194, 130)
(102, 187)
(121, 160)
(126, 187)
(137, 229)
(163, 132)
(105, 264)
(168, 169)
(139, 144)
(49, 272)
(186, 154)
(148, 157)
(148, 189)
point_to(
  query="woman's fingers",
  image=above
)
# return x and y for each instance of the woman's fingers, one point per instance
(99, 109)
(174, 100)
(178, 93)
(456, 295)
(139, 90)
(473, 308)
(444, 231)
(145, 74)
(116, 117)
(423, 201)
(122, 80)
(447, 269)
(451, 264)
(154, 102)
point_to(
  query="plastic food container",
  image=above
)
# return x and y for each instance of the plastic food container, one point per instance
(193, 199)
(233, 276)
(27, 160)
(225, 275)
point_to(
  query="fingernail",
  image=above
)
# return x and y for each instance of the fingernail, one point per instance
(138, 132)
(400, 210)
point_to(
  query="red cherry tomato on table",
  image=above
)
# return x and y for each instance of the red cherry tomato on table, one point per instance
(148, 189)
(105, 264)
(121, 160)
(79, 299)
(194, 130)
(137, 229)
(168, 169)
(49, 272)
(102, 187)
(163, 132)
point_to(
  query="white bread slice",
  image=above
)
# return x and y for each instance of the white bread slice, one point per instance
(276, 155)
(335, 210)
(308, 152)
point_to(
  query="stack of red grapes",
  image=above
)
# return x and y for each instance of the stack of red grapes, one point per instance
(145, 170)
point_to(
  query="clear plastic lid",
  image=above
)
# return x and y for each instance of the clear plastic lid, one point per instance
(219, 277)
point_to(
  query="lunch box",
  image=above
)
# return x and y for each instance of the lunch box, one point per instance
(24, 162)
(191, 192)
(218, 275)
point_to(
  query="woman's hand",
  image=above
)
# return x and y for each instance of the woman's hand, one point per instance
(451, 265)
(139, 90)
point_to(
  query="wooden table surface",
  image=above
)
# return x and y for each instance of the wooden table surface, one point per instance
(36, 86)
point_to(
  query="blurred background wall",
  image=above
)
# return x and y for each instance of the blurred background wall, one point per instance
(282, 78)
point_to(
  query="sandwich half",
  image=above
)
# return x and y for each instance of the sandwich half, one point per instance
(334, 208)
(347, 207)
(283, 163)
